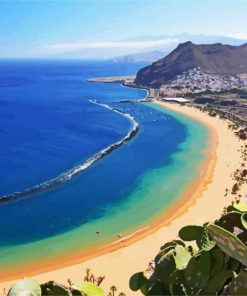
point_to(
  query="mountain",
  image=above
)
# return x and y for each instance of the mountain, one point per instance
(211, 58)
(158, 51)
(149, 57)
(162, 43)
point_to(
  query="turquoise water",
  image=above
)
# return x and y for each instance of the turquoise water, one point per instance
(156, 189)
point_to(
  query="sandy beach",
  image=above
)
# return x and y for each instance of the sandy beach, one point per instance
(203, 201)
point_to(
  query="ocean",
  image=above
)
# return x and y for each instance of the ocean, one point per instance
(50, 129)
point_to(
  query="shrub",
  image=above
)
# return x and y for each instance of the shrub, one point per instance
(214, 265)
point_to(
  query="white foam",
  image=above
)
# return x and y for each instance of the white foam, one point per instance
(78, 169)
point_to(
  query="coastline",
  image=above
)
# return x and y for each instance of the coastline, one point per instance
(124, 81)
(195, 207)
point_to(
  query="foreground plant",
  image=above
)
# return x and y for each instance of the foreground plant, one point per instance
(90, 286)
(215, 263)
(25, 287)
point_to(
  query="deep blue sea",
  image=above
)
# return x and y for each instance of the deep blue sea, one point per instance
(48, 126)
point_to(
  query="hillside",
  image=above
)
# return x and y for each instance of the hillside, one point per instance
(211, 58)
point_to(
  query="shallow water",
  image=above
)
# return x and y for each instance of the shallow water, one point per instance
(48, 125)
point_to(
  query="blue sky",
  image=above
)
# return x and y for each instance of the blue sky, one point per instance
(111, 27)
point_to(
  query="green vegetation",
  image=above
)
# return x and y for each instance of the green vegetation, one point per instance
(90, 286)
(206, 260)
(25, 287)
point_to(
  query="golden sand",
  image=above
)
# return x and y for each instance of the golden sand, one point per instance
(203, 201)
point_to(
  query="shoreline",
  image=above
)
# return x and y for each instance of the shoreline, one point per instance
(124, 81)
(165, 216)
(143, 246)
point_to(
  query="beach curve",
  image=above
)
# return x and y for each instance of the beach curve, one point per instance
(194, 208)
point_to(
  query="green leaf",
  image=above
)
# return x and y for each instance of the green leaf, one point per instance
(75, 292)
(243, 237)
(191, 232)
(205, 243)
(197, 272)
(145, 286)
(162, 253)
(157, 290)
(228, 243)
(172, 243)
(238, 285)
(165, 267)
(177, 283)
(240, 207)
(136, 281)
(54, 288)
(182, 257)
(167, 247)
(217, 261)
(217, 283)
(244, 220)
(25, 287)
(90, 289)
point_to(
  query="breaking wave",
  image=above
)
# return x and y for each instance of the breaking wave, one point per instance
(82, 167)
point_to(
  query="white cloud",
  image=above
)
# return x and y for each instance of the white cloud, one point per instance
(68, 47)
(238, 35)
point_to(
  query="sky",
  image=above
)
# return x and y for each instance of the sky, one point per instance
(104, 28)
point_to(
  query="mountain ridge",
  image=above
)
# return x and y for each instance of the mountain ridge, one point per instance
(214, 58)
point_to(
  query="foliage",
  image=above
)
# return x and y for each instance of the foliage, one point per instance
(90, 286)
(53, 288)
(25, 287)
(90, 289)
(214, 264)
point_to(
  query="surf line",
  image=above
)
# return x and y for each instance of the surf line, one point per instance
(62, 178)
